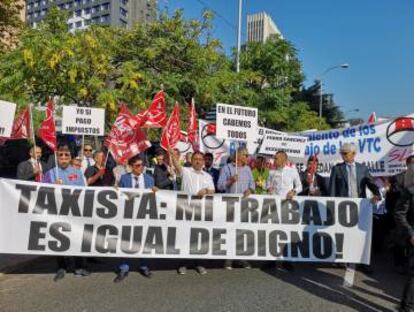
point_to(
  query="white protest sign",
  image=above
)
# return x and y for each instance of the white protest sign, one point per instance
(236, 123)
(42, 219)
(292, 145)
(7, 111)
(253, 147)
(83, 120)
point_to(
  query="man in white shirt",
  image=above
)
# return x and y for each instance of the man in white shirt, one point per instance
(284, 181)
(194, 181)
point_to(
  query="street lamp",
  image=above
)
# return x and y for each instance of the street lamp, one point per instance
(344, 66)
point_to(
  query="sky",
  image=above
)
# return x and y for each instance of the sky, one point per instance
(375, 37)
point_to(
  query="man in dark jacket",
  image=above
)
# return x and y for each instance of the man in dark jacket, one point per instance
(350, 179)
(313, 184)
(163, 175)
(33, 168)
(404, 219)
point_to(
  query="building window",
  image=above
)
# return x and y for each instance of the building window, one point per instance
(78, 13)
(87, 22)
(77, 3)
(44, 2)
(43, 13)
(105, 18)
(95, 8)
(29, 6)
(70, 26)
(105, 6)
(86, 1)
(29, 15)
(78, 24)
(123, 23)
(36, 14)
(61, 6)
(123, 12)
(36, 4)
(124, 2)
(87, 11)
(68, 5)
(95, 19)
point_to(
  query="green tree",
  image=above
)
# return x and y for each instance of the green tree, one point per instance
(10, 22)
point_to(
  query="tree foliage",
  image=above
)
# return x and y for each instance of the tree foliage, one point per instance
(102, 66)
(10, 22)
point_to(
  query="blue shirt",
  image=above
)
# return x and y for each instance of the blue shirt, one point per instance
(69, 176)
(244, 182)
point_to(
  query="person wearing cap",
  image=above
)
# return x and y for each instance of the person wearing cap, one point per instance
(351, 179)
(313, 184)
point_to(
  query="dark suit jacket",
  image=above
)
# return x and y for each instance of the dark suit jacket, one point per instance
(404, 216)
(126, 181)
(338, 182)
(320, 182)
(215, 173)
(25, 170)
(161, 179)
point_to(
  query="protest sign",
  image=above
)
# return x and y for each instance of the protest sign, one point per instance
(382, 146)
(7, 111)
(236, 123)
(253, 147)
(83, 120)
(292, 145)
(50, 219)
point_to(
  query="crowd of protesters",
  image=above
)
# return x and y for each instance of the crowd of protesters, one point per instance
(392, 197)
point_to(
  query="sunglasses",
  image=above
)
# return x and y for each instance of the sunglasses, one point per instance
(137, 165)
(64, 154)
(87, 150)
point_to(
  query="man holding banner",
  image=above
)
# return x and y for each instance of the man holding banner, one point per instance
(195, 181)
(237, 178)
(65, 174)
(136, 179)
(350, 179)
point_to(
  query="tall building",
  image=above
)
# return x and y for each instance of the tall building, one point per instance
(121, 13)
(260, 26)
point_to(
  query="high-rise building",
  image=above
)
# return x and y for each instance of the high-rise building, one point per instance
(260, 26)
(121, 13)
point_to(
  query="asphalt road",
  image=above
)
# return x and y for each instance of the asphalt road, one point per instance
(309, 288)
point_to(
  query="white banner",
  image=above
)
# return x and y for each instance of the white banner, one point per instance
(83, 120)
(236, 123)
(383, 146)
(293, 146)
(7, 111)
(49, 219)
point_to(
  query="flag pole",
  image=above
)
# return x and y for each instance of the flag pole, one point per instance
(33, 136)
(83, 146)
(55, 152)
(237, 147)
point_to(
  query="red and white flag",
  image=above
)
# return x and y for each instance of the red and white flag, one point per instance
(193, 126)
(372, 118)
(172, 132)
(21, 127)
(155, 116)
(126, 139)
(47, 130)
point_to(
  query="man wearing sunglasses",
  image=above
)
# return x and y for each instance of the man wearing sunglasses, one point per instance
(65, 174)
(87, 159)
(137, 179)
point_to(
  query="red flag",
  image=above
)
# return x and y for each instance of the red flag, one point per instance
(171, 133)
(47, 130)
(372, 118)
(125, 139)
(155, 116)
(193, 126)
(21, 127)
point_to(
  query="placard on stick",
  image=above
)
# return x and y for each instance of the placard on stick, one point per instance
(83, 120)
(293, 145)
(236, 123)
(7, 111)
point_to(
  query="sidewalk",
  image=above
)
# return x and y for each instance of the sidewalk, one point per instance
(9, 262)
